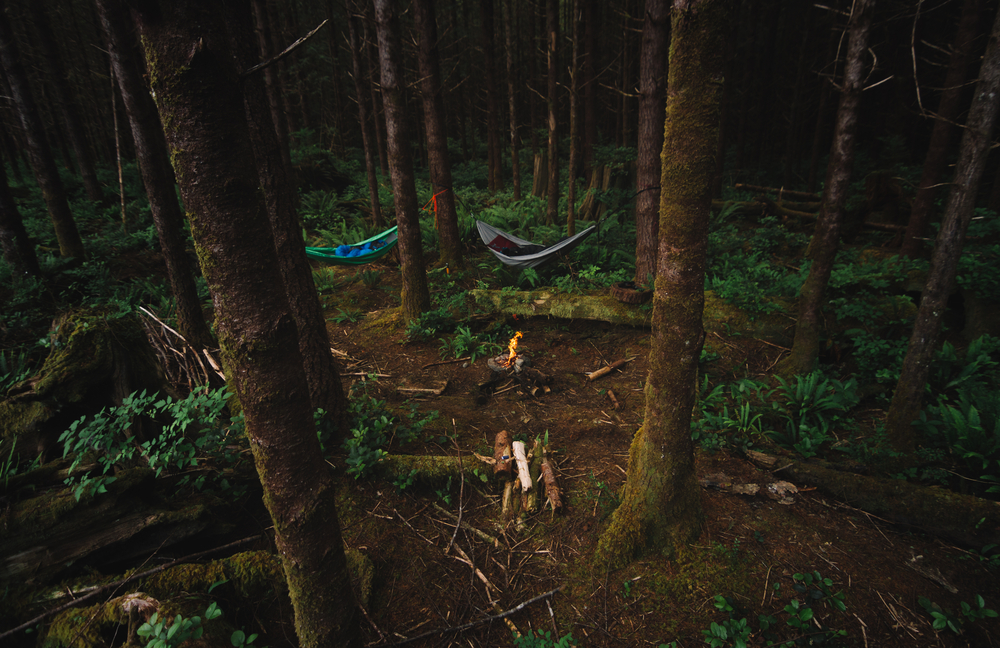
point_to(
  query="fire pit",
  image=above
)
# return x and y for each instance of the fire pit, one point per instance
(516, 366)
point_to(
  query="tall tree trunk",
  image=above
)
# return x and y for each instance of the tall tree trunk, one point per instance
(67, 104)
(157, 175)
(590, 86)
(976, 140)
(492, 98)
(16, 247)
(322, 373)
(652, 94)
(39, 154)
(823, 247)
(942, 133)
(415, 295)
(551, 100)
(515, 154)
(273, 88)
(374, 83)
(356, 36)
(437, 135)
(574, 137)
(661, 502)
(198, 93)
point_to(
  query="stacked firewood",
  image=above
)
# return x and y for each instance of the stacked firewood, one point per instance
(524, 475)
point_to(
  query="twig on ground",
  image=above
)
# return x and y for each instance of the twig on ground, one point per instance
(474, 624)
(444, 362)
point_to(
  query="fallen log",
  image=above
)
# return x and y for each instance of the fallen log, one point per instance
(963, 519)
(603, 371)
(781, 191)
(425, 469)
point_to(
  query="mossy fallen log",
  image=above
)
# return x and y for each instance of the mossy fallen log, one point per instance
(98, 356)
(51, 534)
(963, 519)
(777, 328)
(429, 469)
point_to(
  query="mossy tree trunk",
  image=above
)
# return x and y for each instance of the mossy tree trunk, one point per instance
(823, 247)
(976, 140)
(652, 89)
(193, 73)
(157, 176)
(39, 154)
(322, 373)
(445, 216)
(416, 298)
(661, 502)
(515, 140)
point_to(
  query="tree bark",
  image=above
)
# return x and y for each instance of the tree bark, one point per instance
(322, 373)
(42, 162)
(15, 245)
(415, 296)
(823, 247)
(67, 104)
(944, 129)
(445, 216)
(908, 397)
(279, 117)
(551, 99)
(661, 501)
(366, 117)
(157, 175)
(197, 88)
(515, 141)
(574, 126)
(495, 181)
(590, 85)
(652, 94)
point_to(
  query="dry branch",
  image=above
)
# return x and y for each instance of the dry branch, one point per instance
(551, 488)
(523, 470)
(603, 371)
(502, 454)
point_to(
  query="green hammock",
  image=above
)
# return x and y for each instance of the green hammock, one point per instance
(367, 251)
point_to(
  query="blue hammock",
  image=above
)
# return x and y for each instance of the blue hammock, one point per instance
(358, 254)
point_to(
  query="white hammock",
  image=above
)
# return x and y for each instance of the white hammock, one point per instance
(519, 253)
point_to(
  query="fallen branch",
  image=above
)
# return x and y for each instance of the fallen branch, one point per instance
(804, 195)
(444, 362)
(118, 583)
(423, 390)
(523, 470)
(288, 50)
(474, 624)
(468, 527)
(603, 371)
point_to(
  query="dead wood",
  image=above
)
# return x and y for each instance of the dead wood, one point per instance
(963, 519)
(406, 391)
(47, 535)
(98, 358)
(502, 454)
(552, 492)
(101, 589)
(444, 362)
(426, 469)
(804, 195)
(603, 371)
(523, 467)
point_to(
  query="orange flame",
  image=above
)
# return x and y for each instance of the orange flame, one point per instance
(512, 348)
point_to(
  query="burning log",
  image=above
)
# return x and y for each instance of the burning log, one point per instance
(617, 364)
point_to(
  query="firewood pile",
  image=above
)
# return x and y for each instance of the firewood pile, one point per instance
(528, 477)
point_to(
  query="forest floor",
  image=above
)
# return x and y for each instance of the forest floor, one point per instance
(750, 548)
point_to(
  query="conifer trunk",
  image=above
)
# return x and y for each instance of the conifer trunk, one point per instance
(415, 295)
(39, 155)
(661, 502)
(198, 93)
(366, 118)
(825, 241)
(908, 397)
(157, 176)
(445, 216)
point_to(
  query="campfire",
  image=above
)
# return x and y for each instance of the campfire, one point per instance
(516, 366)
